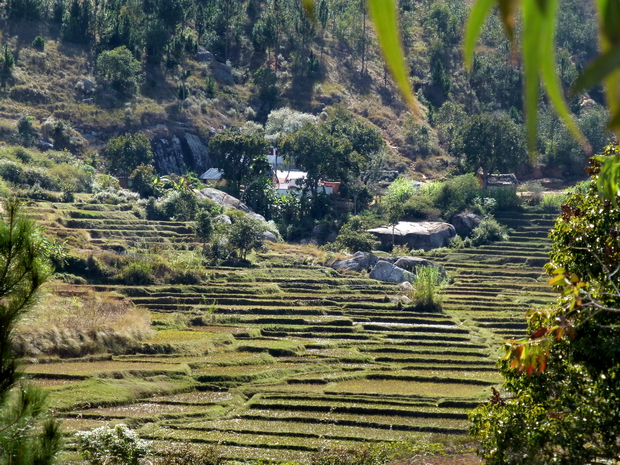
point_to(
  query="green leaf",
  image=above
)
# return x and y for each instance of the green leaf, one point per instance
(479, 12)
(598, 70)
(531, 47)
(614, 123)
(549, 74)
(385, 17)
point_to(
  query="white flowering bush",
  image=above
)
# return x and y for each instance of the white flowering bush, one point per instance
(119, 445)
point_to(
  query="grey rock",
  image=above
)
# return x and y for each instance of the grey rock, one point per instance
(412, 263)
(88, 101)
(269, 236)
(228, 201)
(388, 273)
(424, 235)
(85, 84)
(204, 56)
(196, 153)
(359, 262)
(464, 223)
(223, 219)
(168, 156)
(223, 77)
(406, 286)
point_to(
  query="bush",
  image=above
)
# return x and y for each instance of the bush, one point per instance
(128, 151)
(506, 198)
(489, 230)
(112, 446)
(119, 69)
(456, 194)
(354, 238)
(342, 456)
(425, 295)
(533, 190)
(137, 273)
(552, 203)
(184, 455)
(39, 43)
(421, 207)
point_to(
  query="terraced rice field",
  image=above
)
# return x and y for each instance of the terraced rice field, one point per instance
(281, 360)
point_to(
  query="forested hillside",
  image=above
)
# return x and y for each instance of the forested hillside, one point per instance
(105, 67)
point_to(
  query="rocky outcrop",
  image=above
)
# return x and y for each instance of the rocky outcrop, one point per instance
(196, 154)
(222, 73)
(204, 56)
(359, 262)
(389, 273)
(464, 223)
(228, 201)
(168, 156)
(424, 235)
(181, 154)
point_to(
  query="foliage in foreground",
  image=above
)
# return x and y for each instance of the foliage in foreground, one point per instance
(105, 445)
(561, 397)
(28, 435)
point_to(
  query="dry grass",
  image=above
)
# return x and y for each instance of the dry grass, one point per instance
(73, 322)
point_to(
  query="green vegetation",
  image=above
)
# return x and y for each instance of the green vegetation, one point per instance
(560, 378)
(28, 433)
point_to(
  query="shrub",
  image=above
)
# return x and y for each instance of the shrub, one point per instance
(534, 191)
(137, 273)
(489, 230)
(354, 238)
(128, 151)
(342, 456)
(506, 198)
(456, 194)
(119, 68)
(183, 454)
(552, 203)
(420, 207)
(119, 445)
(425, 294)
(39, 43)
(27, 131)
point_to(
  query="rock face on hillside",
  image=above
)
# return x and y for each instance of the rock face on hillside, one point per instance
(424, 235)
(181, 154)
(228, 201)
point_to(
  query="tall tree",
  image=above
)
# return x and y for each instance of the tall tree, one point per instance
(28, 435)
(492, 142)
(235, 153)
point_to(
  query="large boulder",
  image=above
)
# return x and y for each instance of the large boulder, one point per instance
(228, 201)
(389, 273)
(359, 262)
(424, 235)
(204, 56)
(222, 73)
(464, 223)
(412, 264)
